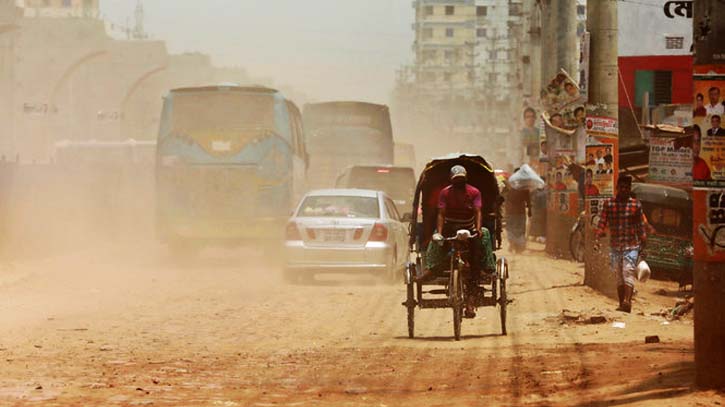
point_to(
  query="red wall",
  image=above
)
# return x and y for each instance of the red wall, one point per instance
(680, 65)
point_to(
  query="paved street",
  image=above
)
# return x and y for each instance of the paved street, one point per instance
(130, 327)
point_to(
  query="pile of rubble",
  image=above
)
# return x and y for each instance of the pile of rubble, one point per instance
(681, 309)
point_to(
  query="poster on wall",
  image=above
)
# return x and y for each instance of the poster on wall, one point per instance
(708, 143)
(560, 177)
(670, 161)
(599, 170)
(709, 222)
(602, 126)
(708, 151)
(709, 106)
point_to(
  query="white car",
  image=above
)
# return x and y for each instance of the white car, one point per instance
(346, 231)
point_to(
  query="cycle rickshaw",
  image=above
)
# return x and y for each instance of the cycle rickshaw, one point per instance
(446, 287)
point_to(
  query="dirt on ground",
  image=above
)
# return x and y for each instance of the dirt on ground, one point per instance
(130, 326)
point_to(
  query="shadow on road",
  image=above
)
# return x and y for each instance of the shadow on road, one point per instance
(447, 338)
(673, 380)
(546, 288)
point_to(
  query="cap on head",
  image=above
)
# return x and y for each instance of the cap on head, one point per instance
(458, 171)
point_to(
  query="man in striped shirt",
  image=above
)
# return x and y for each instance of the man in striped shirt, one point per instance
(624, 218)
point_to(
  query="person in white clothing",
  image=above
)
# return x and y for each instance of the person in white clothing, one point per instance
(715, 107)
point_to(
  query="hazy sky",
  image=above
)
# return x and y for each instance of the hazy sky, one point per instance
(327, 49)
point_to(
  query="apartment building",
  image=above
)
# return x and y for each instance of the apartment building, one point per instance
(60, 8)
(467, 48)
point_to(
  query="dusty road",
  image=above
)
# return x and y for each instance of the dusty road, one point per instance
(128, 327)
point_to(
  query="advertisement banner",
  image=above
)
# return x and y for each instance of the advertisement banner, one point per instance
(670, 162)
(599, 170)
(602, 126)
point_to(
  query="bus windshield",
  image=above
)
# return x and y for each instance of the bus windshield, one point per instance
(199, 113)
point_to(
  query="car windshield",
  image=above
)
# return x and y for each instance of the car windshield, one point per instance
(339, 207)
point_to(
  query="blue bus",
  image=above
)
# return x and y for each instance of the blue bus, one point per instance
(231, 164)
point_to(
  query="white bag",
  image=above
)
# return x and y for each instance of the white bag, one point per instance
(526, 178)
(643, 271)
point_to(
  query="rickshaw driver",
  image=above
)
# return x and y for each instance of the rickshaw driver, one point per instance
(459, 207)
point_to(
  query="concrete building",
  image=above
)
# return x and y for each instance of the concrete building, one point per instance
(659, 61)
(498, 48)
(467, 48)
(60, 8)
(9, 16)
(466, 75)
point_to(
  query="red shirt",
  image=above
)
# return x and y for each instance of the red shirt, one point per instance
(700, 170)
(592, 190)
(460, 203)
(625, 221)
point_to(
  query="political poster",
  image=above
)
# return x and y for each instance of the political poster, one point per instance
(599, 170)
(708, 166)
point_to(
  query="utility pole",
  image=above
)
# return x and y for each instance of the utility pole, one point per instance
(602, 24)
(549, 49)
(567, 53)
(708, 202)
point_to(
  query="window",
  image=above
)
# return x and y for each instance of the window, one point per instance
(449, 32)
(481, 32)
(581, 10)
(658, 84)
(674, 42)
(663, 87)
(390, 210)
(492, 77)
(449, 55)
(427, 33)
(67, 3)
(450, 10)
(428, 10)
(428, 76)
(515, 10)
(481, 11)
(447, 76)
(428, 55)
(492, 54)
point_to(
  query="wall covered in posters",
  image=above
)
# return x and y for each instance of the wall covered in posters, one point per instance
(708, 165)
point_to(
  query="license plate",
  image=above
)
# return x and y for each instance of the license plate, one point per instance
(334, 235)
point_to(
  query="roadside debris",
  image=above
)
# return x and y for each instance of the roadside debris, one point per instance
(569, 317)
(681, 309)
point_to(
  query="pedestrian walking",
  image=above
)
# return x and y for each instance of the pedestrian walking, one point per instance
(518, 208)
(623, 216)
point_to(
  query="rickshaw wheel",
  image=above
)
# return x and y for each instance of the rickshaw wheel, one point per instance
(411, 309)
(456, 299)
(502, 298)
